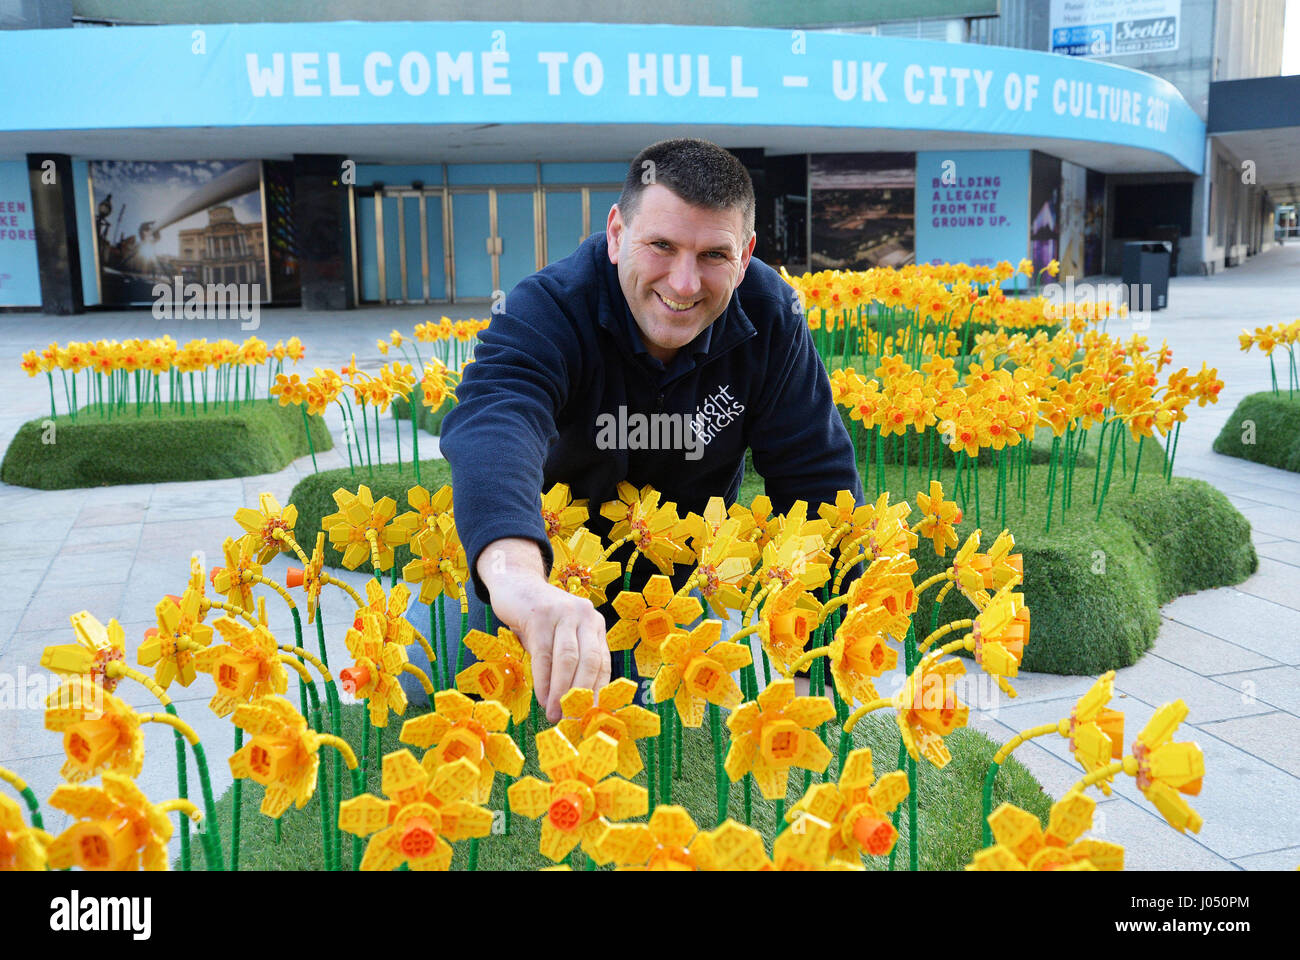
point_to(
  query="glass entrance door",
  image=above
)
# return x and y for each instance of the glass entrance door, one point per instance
(573, 214)
(495, 240)
(401, 244)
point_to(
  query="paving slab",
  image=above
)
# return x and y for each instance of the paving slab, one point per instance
(1155, 681)
(1288, 859)
(1273, 737)
(1203, 653)
(1269, 629)
(1278, 686)
(1283, 551)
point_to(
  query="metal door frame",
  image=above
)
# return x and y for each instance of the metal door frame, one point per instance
(585, 190)
(447, 195)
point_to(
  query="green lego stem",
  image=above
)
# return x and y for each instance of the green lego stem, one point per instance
(779, 808)
(182, 791)
(358, 788)
(211, 833)
(677, 736)
(1110, 467)
(33, 807)
(1137, 463)
(306, 428)
(473, 854)
(652, 764)
(335, 708)
(898, 810)
(322, 787)
(236, 818)
(715, 731)
(446, 643)
(365, 739)
(415, 433)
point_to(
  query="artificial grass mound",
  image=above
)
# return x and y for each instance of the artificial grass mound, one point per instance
(1265, 428)
(1095, 587)
(60, 453)
(948, 803)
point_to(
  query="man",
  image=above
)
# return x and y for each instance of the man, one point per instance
(666, 312)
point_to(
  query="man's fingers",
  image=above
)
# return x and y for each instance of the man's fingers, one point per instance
(593, 668)
(565, 657)
(539, 645)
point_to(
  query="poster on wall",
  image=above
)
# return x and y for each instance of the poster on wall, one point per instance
(1114, 28)
(1074, 188)
(972, 206)
(1044, 210)
(20, 282)
(201, 220)
(1094, 223)
(863, 210)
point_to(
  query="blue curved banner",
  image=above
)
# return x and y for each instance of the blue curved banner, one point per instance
(454, 73)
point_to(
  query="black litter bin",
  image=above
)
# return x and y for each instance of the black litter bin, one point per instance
(1146, 274)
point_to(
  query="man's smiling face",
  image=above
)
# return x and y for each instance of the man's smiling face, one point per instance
(678, 265)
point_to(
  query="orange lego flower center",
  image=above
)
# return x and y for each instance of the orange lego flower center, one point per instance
(654, 626)
(875, 835)
(703, 676)
(90, 742)
(270, 760)
(419, 839)
(354, 678)
(236, 675)
(566, 812)
(103, 844)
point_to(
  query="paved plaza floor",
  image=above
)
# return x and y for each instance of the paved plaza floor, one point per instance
(1232, 654)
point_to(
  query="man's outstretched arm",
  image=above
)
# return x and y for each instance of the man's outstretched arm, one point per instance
(496, 440)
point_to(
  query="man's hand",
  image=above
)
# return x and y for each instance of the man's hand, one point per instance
(564, 634)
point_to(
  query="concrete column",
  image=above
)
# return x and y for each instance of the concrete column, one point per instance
(54, 216)
(323, 232)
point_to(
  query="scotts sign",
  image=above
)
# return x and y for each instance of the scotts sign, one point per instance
(1145, 36)
(1108, 28)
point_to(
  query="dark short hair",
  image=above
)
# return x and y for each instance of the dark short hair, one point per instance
(701, 173)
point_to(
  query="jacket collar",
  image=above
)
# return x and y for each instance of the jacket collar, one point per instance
(731, 328)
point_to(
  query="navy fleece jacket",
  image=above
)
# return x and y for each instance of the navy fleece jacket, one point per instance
(567, 350)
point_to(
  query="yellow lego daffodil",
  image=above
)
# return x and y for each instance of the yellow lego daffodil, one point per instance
(422, 813)
(97, 646)
(245, 667)
(697, 668)
(581, 795)
(612, 712)
(927, 708)
(262, 525)
(1022, 844)
(463, 729)
(646, 619)
(376, 667)
(359, 515)
(117, 828)
(860, 653)
(775, 733)
(179, 619)
(100, 732)
(1096, 732)
(504, 671)
(21, 847)
(282, 755)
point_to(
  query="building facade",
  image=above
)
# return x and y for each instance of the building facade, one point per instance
(401, 161)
